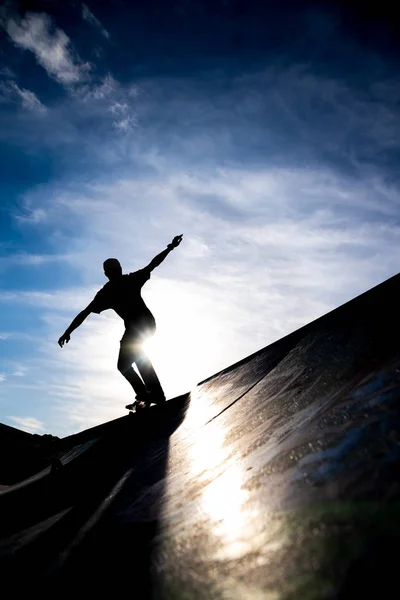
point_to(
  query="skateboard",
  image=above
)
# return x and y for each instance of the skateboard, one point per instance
(143, 405)
(137, 406)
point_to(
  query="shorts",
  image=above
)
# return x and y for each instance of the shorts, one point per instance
(137, 333)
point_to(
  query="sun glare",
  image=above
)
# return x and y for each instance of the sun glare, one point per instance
(180, 348)
(203, 455)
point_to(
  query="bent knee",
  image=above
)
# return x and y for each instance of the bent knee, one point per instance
(123, 366)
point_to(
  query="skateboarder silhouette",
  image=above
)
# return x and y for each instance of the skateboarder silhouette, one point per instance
(122, 294)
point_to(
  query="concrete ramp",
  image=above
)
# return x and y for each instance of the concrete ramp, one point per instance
(276, 478)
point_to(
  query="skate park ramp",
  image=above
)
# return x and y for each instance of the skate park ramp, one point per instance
(275, 478)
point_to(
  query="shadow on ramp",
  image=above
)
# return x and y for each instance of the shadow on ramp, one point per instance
(78, 523)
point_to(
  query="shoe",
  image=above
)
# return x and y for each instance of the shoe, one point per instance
(146, 399)
(141, 401)
(158, 398)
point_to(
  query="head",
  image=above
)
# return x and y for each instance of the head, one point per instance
(112, 268)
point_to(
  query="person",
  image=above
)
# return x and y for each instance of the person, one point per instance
(122, 294)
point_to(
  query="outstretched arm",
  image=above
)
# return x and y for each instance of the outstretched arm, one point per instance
(74, 325)
(157, 260)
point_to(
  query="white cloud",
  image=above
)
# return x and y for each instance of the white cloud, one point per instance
(6, 72)
(10, 92)
(13, 335)
(25, 259)
(2, 377)
(114, 98)
(119, 107)
(73, 299)
(126, 124)
(5, 92)
(28, 424)
(102, 91)
(18, 373)
(90, 18)
(29, 100)
(32, 215)
(134, 91)
(50, 45)
(127, 119)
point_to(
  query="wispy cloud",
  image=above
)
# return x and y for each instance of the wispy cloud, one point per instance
(119, 107)
(61, 301)
(10, 92)
(28, 424)
(126, 123)
(7, 72)
(90, 18)
(31, 215)
(50, 45)
(31, 260)
(54, 51)
(18, 373)
(101, 91)
(5, 92)
(29, 99)
(116, 99)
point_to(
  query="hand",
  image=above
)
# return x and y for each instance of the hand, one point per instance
(176, 241)
(64, 339)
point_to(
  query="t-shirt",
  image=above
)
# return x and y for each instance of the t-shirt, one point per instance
(123, 296)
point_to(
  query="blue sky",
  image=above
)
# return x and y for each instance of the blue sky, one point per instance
(268, 134)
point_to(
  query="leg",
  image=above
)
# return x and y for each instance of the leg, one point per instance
(127, 355)
(149, 375)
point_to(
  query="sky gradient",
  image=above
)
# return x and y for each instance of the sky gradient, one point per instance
(267, 133)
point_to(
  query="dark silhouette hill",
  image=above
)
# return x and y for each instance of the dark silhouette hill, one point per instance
(24, 454)
(276, 478)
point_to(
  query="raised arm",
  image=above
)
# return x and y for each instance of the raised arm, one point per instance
(157, 260)
(74, 325)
